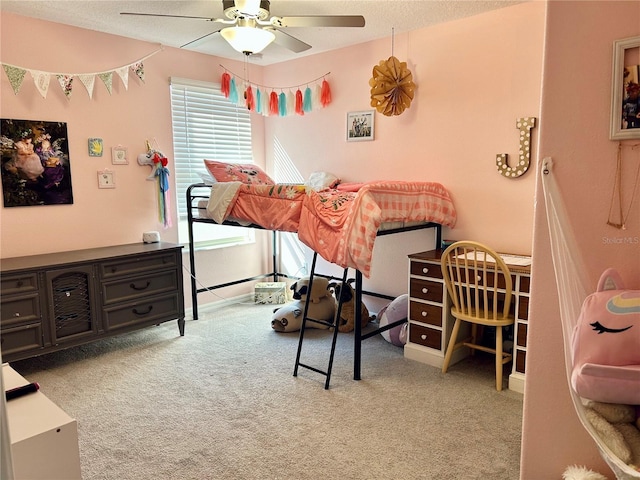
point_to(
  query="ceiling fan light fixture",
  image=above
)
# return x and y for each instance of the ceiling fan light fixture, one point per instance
(247, 39)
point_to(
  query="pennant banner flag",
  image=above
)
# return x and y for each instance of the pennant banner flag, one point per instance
(42, 79)
(275, 101)
(88, 81)
(15, 76)
(107, 79)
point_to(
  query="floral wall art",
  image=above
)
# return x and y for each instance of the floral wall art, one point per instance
(35, 163)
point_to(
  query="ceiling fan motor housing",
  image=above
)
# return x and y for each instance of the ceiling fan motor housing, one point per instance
(233, 12)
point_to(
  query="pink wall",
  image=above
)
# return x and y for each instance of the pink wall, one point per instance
(574, 132)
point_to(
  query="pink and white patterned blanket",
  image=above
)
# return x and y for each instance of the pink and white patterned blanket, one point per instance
(340, 226)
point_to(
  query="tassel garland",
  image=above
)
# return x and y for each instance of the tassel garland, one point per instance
(224, 84)
(299, 109)
(273, 104)
(276, 101)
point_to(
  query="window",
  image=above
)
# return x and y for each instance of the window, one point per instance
(206, 125)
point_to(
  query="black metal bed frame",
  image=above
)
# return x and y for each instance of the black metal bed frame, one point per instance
(359, 292)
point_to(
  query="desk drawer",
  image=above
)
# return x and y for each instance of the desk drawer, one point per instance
(429, 337)
(425, 313)
(131, 288)
(426, 269)
(145, 311)
(425, 290)
(138, 264)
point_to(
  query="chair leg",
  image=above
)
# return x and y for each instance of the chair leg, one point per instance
(452, 345)
(499, 358)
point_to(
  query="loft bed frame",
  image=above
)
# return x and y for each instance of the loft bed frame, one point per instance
(193, 197)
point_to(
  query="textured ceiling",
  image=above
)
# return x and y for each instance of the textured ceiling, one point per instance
(381, 17)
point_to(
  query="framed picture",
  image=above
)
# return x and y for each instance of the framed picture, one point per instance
(95, 147)
(119, 155)
(360, 126)
(625, 88)
(35, 161)
(106, 179)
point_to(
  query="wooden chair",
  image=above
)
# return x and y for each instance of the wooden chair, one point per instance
(480, 290)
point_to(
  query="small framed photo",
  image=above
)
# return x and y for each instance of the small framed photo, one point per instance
(95, 147)
(625, 90)
(360, 126)
(106, 179)
(119, 155)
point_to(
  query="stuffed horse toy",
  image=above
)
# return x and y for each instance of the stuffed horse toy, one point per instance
(158, 163)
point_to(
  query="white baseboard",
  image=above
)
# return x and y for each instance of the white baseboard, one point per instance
(210, 306)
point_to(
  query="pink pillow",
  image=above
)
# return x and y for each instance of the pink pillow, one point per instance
(606, 344)
(238, 172)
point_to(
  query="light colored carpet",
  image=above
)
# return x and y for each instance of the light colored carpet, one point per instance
(222, 403)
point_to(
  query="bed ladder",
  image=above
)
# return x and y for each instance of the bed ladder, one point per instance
(333, 324)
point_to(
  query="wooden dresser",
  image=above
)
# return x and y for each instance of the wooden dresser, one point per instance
(54, 301)
(430, 322)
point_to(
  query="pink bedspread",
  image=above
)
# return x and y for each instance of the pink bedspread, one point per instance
(340, 226)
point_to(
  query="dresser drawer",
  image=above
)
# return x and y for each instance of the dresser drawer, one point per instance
(27, 282)
(138, 264)
(16, 340)
(425, 290)
(131, 288)
(159, 308)
(19, 309)
(426, 269)
(429, 337)
(425, 313)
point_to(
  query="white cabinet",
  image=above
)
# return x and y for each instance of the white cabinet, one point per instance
(44, 439)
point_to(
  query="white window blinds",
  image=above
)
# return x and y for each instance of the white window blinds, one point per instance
(206, 125)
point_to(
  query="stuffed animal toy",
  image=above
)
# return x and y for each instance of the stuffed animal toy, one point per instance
(393, 312)
(322, 306)
(348, 310)
(619, 428)
(606, 344)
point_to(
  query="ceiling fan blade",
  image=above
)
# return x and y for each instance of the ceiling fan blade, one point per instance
(319, 21)
(209, 19)
(198, 39)
(287, 41)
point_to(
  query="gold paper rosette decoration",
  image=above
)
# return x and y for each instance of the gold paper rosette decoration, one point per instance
(391, 87)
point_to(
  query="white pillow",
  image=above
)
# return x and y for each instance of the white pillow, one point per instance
(207, 178)
(322, 180)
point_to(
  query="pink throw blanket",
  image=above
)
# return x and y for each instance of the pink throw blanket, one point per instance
(341, 226)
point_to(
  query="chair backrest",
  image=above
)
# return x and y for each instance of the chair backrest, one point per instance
(478, 281)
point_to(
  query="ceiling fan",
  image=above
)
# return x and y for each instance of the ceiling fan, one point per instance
(249, 28)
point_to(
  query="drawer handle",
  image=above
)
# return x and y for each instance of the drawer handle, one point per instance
(114, 269)
(425, 270)
(423, 336)
(425, 290)
(17, 314)
(19, 284)
(142, 314)
(424, 314)
(134, 287)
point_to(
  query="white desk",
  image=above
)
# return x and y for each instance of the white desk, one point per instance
(44, 439)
